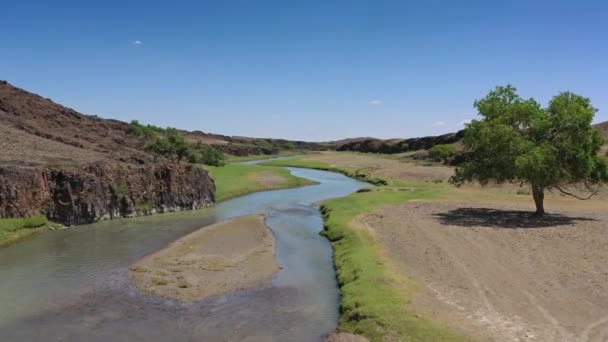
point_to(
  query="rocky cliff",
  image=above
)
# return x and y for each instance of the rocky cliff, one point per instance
(98, 191)
(78, 168)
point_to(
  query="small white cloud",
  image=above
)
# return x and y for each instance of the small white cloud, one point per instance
(439, 123)
(375, 102)
(137, 43)
(464, 122)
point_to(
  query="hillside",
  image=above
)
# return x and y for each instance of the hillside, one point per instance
(392, 146)
(38, 131)
(77, 168)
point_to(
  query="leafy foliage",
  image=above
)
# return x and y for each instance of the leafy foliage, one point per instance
(442, 152)
(137, 129)
(205, 154)
(170, 143)
(518, 140)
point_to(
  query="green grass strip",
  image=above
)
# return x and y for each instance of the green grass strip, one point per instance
(373, 303)
(317, 165)
(14, 229)
(233, 180)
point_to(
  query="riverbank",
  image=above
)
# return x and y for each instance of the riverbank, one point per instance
(224, 257)
(233, 179)
(427, 261)
(375, 302)
(311, 163)
(15, 229)
(238, 159)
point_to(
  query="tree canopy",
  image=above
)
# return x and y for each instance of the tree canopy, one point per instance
(171, 143)
(548, 148)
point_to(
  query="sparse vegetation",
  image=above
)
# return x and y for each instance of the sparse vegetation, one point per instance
(145, 206)
(170, 143)
(160, 281)
(547, 148)
(120, 189)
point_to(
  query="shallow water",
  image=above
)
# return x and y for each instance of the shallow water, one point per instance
(72, 284)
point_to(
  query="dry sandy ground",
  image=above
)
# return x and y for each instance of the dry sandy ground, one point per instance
(407, 171)
(485, 271)
(220, 258)
(383, 167)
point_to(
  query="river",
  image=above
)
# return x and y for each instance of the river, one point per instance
(72, 284)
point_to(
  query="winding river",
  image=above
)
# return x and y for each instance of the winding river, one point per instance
(72, 284)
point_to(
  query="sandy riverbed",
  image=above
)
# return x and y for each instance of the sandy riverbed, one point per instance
(220, 258)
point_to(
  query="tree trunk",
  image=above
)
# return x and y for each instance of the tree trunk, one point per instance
(539, 199)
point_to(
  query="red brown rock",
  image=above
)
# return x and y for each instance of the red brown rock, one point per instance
(78, 168)
(101, 191)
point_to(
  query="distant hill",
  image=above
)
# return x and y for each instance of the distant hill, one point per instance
(604, 128)
(400, 145)
(37, 131)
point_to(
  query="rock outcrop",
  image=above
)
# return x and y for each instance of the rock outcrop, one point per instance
(400, 145)
(98, 191)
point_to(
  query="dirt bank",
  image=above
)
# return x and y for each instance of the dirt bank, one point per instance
(220, 258)
(488, 273)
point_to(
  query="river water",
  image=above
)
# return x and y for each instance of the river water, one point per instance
(72, 284)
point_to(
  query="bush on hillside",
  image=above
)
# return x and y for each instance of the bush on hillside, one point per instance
(139, 130)
(442, 152)
(205, 154)
(171, 145)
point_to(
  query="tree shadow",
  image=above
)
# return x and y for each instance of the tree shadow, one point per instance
(509, 219)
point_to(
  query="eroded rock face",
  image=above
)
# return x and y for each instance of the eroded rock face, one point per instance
(101, 191)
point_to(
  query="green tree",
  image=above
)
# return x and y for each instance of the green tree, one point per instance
(547, 148)
(159, 147)
(206, 154)
(179, 146)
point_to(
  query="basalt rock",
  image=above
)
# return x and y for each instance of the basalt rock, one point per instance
(99, 191)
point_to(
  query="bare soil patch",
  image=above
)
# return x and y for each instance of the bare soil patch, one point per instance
(269, 179)
(384, 167)
(221, 258)
(495, 273)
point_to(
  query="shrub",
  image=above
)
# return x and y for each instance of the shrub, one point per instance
(137, 129)
(205, 154)
(172, 145)
(442, 152)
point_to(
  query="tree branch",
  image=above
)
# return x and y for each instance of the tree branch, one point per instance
(577, 197)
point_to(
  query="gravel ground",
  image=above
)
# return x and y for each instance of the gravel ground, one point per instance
(495, 274)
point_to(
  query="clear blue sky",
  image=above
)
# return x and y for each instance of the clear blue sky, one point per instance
(312, 70)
